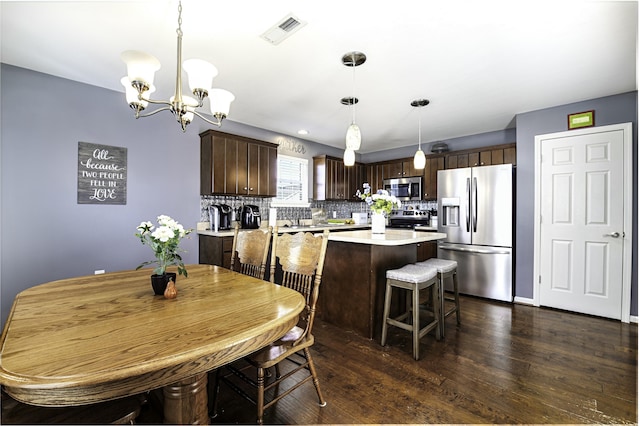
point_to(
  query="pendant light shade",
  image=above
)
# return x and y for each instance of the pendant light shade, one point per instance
(349, 157)
(220, 102)
(353, 138)
(419, 159)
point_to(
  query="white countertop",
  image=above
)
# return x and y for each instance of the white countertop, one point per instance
(289, 229)
(392, 237)
(426, 228)
(357, 234)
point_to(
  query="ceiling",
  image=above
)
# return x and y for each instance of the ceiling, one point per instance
(479, 62)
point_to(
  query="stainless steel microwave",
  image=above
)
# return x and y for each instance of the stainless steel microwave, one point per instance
(404, 189)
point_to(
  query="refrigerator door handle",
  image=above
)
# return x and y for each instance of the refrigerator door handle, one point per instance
(468, 219)
(475, 204)
(473, 250)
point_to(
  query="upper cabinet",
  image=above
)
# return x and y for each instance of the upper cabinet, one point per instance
(236, 165)
(399, 169)
(332, 180)
(498, 154)
(430, 176)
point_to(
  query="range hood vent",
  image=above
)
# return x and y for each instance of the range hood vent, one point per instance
(283, 29)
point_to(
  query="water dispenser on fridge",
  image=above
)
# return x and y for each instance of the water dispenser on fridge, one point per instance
(450, 211)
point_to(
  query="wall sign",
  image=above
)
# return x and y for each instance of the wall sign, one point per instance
(581, 119)
(102, 174)
(291, 145)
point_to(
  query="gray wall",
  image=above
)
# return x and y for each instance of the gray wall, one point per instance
(46, 235)
(621, 108)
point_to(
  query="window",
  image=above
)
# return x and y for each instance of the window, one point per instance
(293, 187)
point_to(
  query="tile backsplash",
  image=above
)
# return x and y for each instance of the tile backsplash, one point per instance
(342, 209)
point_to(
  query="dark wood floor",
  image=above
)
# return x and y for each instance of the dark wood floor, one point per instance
(504, 364)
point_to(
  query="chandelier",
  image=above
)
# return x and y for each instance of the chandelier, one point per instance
(419, 159)
(141, 68)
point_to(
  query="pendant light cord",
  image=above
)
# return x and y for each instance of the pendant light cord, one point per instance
(419, 129)
(353, 99)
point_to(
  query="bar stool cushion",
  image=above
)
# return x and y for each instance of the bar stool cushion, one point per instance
(442, 265)
(412, 274)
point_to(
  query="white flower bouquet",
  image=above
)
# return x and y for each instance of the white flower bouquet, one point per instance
(380, 202)
(164, 241)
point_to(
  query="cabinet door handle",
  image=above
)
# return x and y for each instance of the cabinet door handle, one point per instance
(245, 188)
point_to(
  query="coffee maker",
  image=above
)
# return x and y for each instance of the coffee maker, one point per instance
(250, 218)
(219, 217)
(225, 216)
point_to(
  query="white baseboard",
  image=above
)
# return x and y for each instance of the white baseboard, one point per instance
(527, 301)
(523, 300)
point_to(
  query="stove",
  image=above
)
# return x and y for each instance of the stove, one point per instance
(409, 218)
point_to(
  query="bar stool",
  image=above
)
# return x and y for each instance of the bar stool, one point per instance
(446, 269)
(413, 278)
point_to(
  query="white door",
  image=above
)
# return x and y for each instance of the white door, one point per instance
(582, 221)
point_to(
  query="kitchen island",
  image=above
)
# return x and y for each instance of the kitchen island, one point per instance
(354, 276)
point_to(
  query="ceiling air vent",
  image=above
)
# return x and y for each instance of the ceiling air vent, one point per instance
(283, 29)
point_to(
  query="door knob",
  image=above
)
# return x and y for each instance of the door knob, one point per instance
(612, 235)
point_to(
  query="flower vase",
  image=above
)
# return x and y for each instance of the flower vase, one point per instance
(378, 223)
(159, 282)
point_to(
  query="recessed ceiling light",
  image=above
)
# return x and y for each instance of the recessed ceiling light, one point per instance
(303, 132)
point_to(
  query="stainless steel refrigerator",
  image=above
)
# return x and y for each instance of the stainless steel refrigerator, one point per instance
(475, 210)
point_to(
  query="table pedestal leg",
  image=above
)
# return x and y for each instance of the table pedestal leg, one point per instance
(185, 402)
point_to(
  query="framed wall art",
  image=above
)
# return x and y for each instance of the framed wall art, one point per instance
(581, 119)
(102, 174)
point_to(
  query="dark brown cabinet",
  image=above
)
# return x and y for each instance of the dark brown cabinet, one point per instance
(215, 250)
(430, 176)
(335, 181)
(426, 251)
(399, 169)
(235, 165)
(498, 154)
(374, 176)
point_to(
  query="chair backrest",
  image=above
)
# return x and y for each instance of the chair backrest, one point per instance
(301, 258)
(250, 251)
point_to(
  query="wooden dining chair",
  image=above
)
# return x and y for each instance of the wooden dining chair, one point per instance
(297, 261)
(120, 411)
(250, 251)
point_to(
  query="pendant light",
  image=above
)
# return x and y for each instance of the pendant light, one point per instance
(353, 138)
(419, 160)
(349, 157)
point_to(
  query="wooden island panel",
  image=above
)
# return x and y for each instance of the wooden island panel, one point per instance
(353, 284)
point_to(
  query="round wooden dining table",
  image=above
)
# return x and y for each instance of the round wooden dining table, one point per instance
(96, 338)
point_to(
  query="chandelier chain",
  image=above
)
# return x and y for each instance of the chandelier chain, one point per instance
(179, 30)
